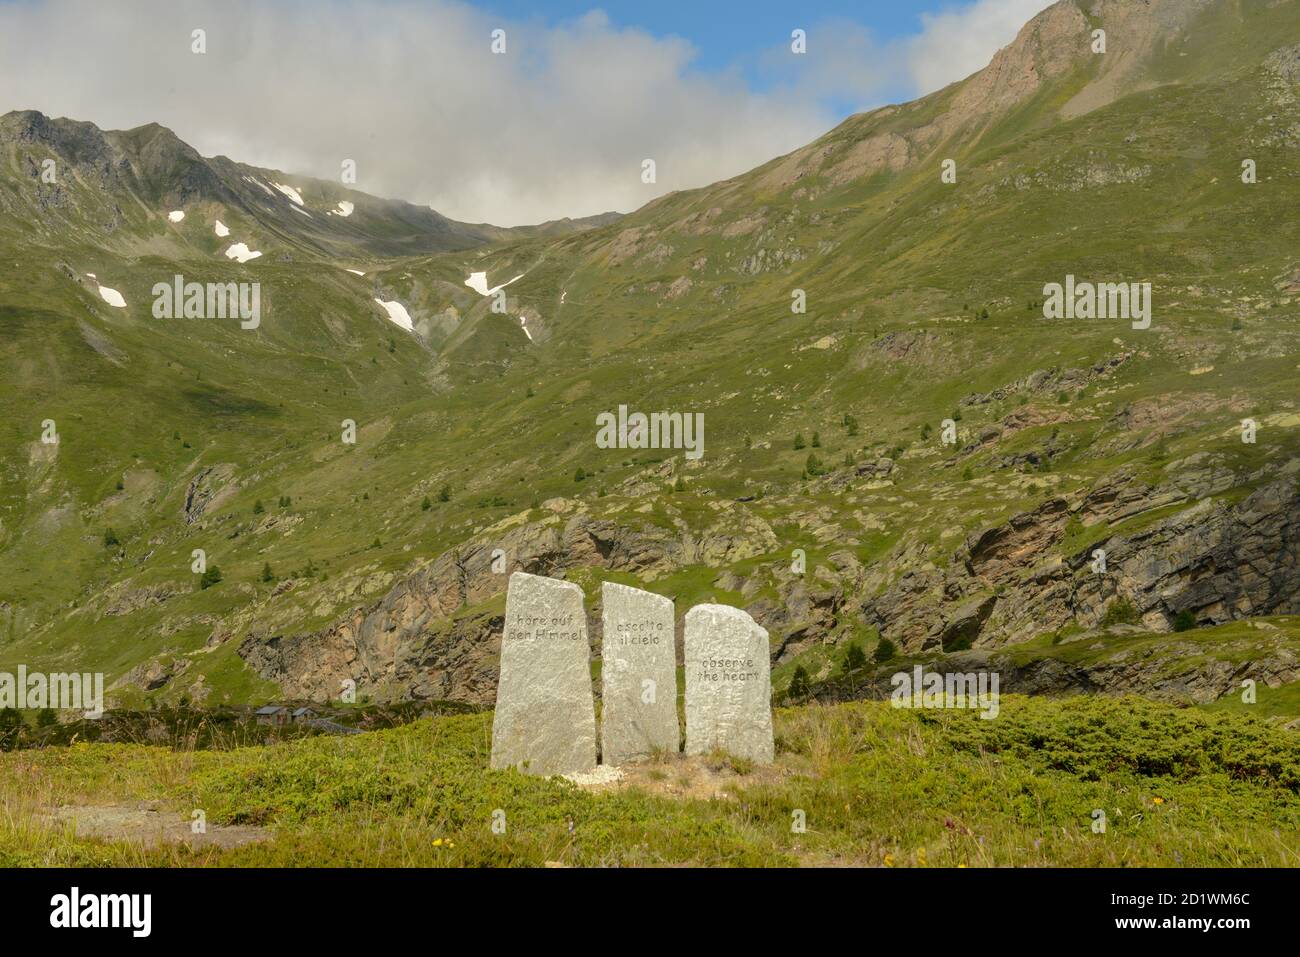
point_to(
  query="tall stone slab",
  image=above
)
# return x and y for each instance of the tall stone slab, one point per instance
(545, 721)
(728, 684)
(638, 675)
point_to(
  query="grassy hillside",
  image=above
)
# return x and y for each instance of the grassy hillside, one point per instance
(923, 305)
(877, 786)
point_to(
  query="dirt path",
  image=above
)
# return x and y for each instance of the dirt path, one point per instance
(150, 824)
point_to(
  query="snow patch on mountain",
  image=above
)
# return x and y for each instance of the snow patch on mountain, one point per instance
(176, 215)
(397, 313)
(241, 252)
(289, 191)
(478, 282)
(112, 297)
(222, 229)
(344, 209)
(258, 183)
(356, 272)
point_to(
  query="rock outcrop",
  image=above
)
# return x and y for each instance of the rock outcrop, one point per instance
(1215, 560)
(437, 633)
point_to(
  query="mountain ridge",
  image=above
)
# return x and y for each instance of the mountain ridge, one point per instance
(161, 171)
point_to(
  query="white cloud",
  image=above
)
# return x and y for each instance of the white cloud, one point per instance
(409, 89)
(958, 42)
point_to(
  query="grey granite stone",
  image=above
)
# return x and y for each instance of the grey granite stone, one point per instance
(545, 721)
(728, 684)
(638, 674)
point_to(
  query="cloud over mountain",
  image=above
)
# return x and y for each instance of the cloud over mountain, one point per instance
(556, 126)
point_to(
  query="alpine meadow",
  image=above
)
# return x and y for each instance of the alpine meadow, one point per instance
(928, 495)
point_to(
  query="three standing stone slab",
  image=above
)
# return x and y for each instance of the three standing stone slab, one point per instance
(638, 675)
(545, 720)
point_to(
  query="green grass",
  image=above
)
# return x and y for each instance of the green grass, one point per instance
(878, 786)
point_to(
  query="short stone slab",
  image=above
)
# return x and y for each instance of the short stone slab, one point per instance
(728, 684)
(638, 675)
(545, 721)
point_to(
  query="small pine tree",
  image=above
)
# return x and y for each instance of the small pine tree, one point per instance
(267, 574)
(813, 467)
(817, 440)
(885, 651)
(579, 475)
(1185, 620)
(426, 504)
(680, 484)
(799, 685)
(11, 728)
(258, 507)
(210, 577)
(855, 659)
(798, 441)
(46, 717)
(444, 494)
(110, 539)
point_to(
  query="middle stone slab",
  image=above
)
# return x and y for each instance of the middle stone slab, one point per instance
(638, 675)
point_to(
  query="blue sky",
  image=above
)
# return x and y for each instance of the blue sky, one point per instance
(731, 35)
(558, 125)
(724, 31)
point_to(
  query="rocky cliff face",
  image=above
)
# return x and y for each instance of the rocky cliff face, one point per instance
(1218, 561)
(436, 634)
(431, 637)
